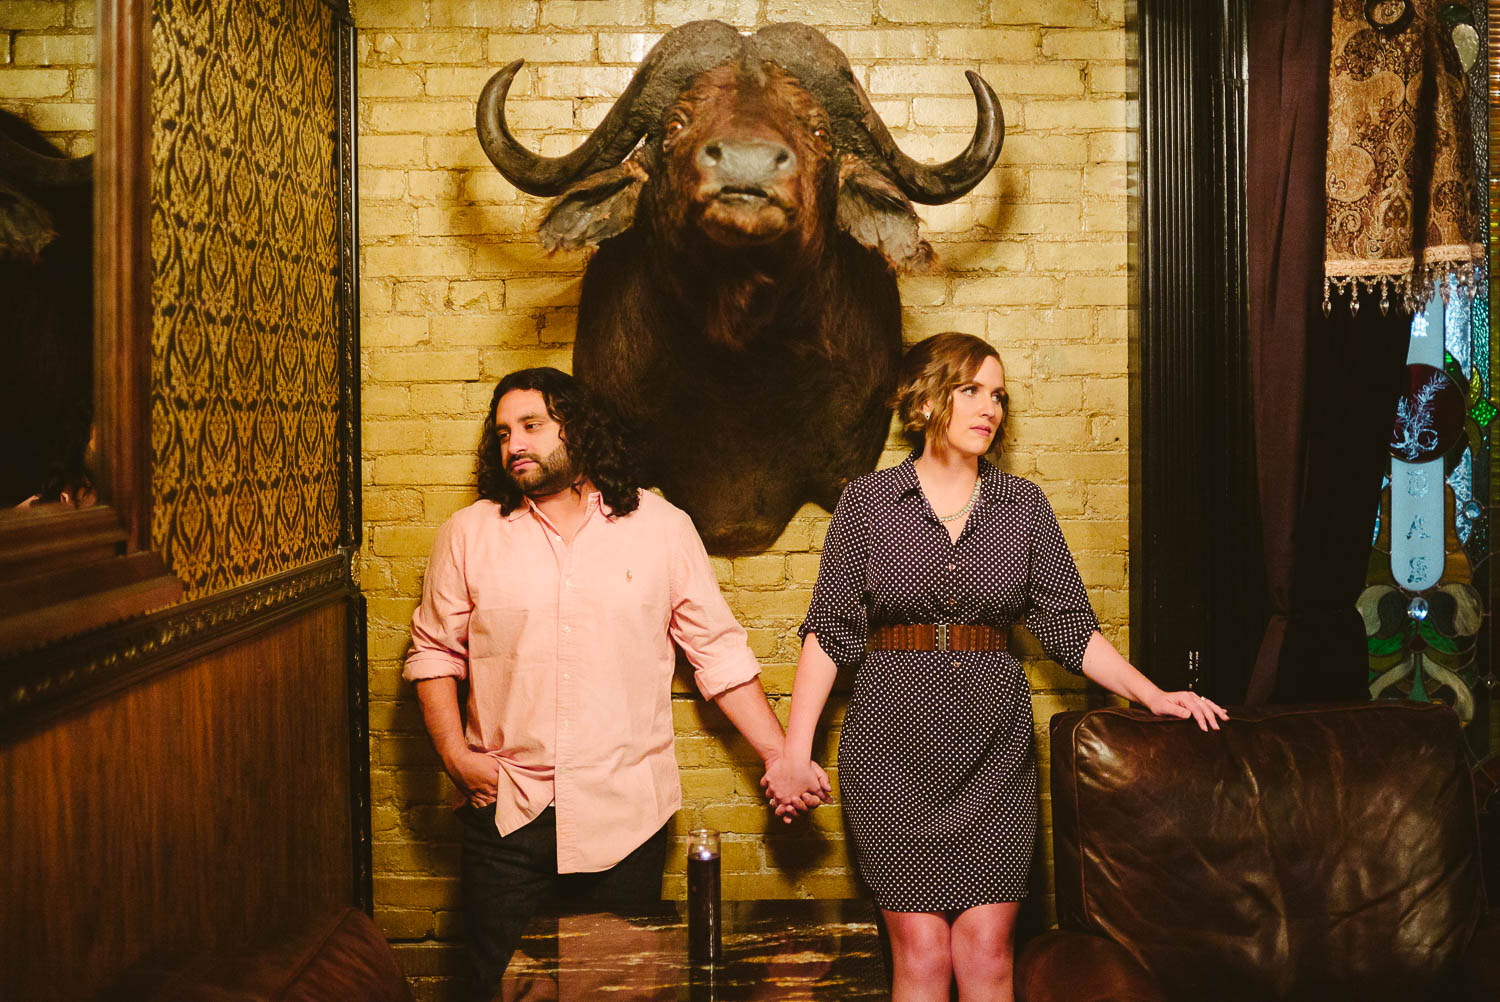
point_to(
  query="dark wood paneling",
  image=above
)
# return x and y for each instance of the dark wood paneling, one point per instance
(1197, 585)
(201, 808)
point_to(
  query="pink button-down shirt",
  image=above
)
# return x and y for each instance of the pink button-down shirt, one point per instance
(567, 648)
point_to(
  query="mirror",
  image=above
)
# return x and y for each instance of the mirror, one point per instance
(70, 565)
(47, 136)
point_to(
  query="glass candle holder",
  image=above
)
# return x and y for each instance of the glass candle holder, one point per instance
(705, 920)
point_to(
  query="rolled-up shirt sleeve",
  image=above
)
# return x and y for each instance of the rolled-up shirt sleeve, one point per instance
(837, 615)
(1058, 612)
(715, 643)
(440, 626)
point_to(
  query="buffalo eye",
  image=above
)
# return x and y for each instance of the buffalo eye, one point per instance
(820, 134)
(673, 128)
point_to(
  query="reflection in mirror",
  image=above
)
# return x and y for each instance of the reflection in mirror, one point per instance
(47, 129)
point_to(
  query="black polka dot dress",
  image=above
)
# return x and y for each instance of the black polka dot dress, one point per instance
(937, 770)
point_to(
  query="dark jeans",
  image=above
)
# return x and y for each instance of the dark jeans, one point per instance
(506, 880)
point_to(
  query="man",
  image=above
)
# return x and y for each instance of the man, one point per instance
(558, 597)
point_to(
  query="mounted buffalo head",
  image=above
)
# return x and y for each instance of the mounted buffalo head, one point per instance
(751, 210)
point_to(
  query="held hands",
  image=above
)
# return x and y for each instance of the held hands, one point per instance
(795, 786)
(476, 774)
(1187, 704)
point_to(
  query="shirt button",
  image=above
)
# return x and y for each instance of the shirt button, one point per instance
(953, 567)
(956, 663)
(567, 629)
(566, 676)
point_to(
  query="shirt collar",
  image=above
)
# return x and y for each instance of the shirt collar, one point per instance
(528, 506)
(991, 480)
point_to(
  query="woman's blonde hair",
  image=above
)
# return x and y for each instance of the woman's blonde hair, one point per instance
(930, 371)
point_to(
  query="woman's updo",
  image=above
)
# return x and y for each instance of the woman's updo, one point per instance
(930, 371)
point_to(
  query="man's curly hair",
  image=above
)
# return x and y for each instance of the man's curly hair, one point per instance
(594, 439)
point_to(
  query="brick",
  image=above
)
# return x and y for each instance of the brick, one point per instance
(455, 151)
(483, 14)
(1049, 79)
(1081, 466)
(1033, 149)
(423, 366)
(783, 604)
(440, 398)
(1043, 218)
(385, 220)
(574, 13)
(759, 571)
(885, 43)
(442, 185)
(998, 44)
(50, 118)
(394, 436)
(379, 184)
(424, 470)
(1110, 395)
(1055, 185)
(1005, 291)
(1095, 534)
(392, 14)
(430, 892)
(423, 296)
(1049, 13)
(819, 12)
(403, 540)
(1075, 255)
(628, 47)
(541, 293)
(1106, 215)
(540, 49)
(22, 15)
(514, 258)
(1081, 359)
(16, 83)
(413, 260)
(53, 50)
(380, 504)
(923, 291)
(439, 506)
(1111, 79)
(478, 297)
(1068, 44)
(420, 116)
(383, 401)
(427, 47)
(1110, 147)
(1083, 291)
(387, 81)
(1081, 115)
(582, 81)
(741, 13)
(449, 220)
(498, 364)
(920, 78)
(927, 12)
(384, 151)
(468, 81)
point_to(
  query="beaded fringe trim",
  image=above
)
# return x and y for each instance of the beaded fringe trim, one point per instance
(1442, 271)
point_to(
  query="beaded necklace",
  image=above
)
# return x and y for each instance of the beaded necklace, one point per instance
(973, 496)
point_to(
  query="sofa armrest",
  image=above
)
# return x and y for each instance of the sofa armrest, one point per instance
(1482, 961)
(1064, 966)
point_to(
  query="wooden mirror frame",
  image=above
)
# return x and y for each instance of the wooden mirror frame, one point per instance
(64, 572)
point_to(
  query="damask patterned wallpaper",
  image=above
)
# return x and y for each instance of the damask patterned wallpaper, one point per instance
(244, 234)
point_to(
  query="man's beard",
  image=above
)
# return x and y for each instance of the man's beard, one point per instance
(550, 474)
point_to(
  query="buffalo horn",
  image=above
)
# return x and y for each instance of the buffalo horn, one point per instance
(665, 72)
(823, 69)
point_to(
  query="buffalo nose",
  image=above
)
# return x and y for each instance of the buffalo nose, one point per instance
(755, 162)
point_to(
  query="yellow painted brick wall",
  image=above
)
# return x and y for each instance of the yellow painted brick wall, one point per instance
(456, 292)
(47, 68)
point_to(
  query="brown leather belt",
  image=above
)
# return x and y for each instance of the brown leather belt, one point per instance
(937, 637)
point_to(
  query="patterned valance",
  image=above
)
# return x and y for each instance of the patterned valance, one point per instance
(1402, 192)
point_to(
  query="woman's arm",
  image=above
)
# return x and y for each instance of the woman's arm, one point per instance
(795, 780)
(1103, 664)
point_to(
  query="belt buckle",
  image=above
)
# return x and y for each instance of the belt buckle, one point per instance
(942, 637)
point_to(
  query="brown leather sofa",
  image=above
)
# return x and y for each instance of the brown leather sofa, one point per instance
(1313, 853)
(335, 958)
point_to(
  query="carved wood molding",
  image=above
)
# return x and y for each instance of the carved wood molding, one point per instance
(35, 688)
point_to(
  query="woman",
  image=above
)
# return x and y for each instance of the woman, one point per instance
(937, 768)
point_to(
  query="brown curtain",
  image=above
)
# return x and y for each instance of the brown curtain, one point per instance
(1325, 387)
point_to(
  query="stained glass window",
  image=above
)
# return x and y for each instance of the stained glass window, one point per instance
(1428, 598)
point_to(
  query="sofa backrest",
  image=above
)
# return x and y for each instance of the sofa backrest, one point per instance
(1298, 853)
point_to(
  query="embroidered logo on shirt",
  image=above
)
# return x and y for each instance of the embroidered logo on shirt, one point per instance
(627, 574)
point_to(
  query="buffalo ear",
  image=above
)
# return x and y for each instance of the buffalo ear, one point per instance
(600, 206)
(873, 211)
